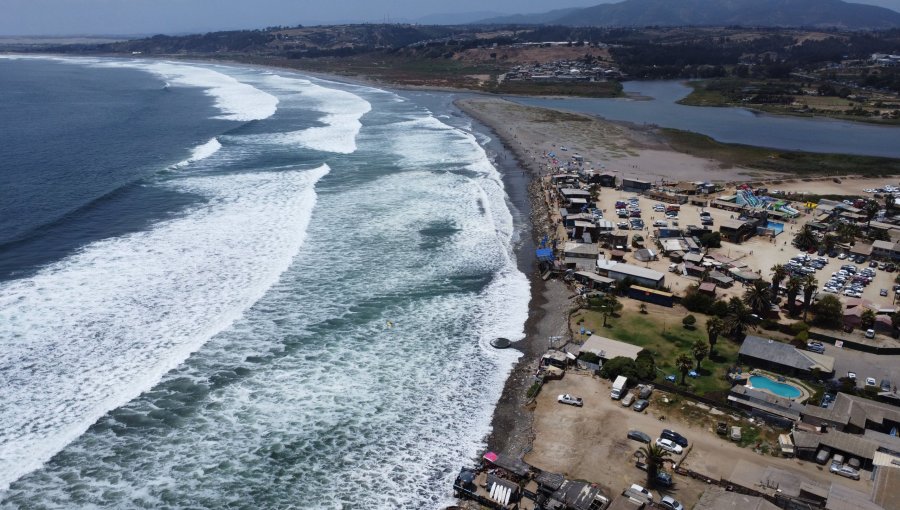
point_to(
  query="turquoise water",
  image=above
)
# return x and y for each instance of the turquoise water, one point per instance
(777, 227)
(780, 389)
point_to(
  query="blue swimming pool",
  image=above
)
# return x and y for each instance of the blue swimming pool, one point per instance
(780, 389)
(777, 227)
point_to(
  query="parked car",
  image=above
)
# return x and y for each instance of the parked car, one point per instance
(870, 381)
(722, 428)
(638, 492)
(640, 405)
(842, 470)
(628, 400)
(885, 385)
(668, 444)
(870, 333)
(671, 503)
(883, 292)
(817, 347)
(570, 400)
(644, 391)
(637, 435)
(674, 437)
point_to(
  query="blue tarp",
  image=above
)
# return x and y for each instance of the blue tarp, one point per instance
(544, 254)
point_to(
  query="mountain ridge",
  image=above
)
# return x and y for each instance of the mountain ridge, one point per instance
(761, 13)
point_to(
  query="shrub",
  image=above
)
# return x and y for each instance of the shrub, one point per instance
(769, 325)
(689, 321)
(533, 389)
(802, 337)
(589, 357)
(619, 366)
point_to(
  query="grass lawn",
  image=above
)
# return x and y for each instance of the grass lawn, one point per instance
(664, 335)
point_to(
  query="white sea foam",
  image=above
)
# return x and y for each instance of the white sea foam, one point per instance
(343, 111)
(91, 332)
(236, 100)
(200, 152)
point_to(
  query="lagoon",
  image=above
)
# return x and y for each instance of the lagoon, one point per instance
(655, 103)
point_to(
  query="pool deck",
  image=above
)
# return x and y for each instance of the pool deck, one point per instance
(804, 392)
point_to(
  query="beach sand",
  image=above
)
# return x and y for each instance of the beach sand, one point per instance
(630, 151)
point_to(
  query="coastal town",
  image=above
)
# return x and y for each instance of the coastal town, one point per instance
(727, 343)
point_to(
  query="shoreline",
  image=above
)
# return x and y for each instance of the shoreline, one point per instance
(511, 424)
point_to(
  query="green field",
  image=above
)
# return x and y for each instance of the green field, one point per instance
(731, 154)
(667, 338)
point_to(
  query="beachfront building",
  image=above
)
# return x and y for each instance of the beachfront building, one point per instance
(642, 276)
(580, 256)
(736, 230)
(783, 358)
(636, 185)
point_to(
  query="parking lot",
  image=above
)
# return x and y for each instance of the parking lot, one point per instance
(590, 442)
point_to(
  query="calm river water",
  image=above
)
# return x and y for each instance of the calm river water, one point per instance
(733, 125)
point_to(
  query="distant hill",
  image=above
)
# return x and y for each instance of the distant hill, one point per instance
(772, 13)
(456, 18)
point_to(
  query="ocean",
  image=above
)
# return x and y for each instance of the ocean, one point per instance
(227, 286)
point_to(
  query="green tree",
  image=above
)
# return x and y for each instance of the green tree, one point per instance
(738, 319)
(792, 289)
(684, 363)
(607, 305)
(779, 273)
(870, 210)
(688, 321)
(646, 365)
(828, 312)
(805, 238)
(758, 297)
(889, 204)
(617, 366)
(810, 284)
(714, 327)
(829, 242)
(867, 319)
(654, 456)
(700, 350)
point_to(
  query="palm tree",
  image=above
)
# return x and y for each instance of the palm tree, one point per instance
(758, 297)
(829, 242)
(684, 364)
(654, 456)
(870, 210)
(810, 284)
(806, 238)
(700, 350)
(779, 273)
(792, 289)
(714, 327)
(738, 318)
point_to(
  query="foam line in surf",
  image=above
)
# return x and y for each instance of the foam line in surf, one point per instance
(89, 333)
(342, 113)
(200, 152)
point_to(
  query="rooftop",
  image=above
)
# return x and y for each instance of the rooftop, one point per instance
(637, 271)
(783, 354)
(607, 348)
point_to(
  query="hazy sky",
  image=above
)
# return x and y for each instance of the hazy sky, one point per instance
(70, 17)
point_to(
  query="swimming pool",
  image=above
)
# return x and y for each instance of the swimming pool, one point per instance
(780, 389)
(775, 226)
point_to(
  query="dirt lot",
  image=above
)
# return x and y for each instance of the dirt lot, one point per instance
(589, 443)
